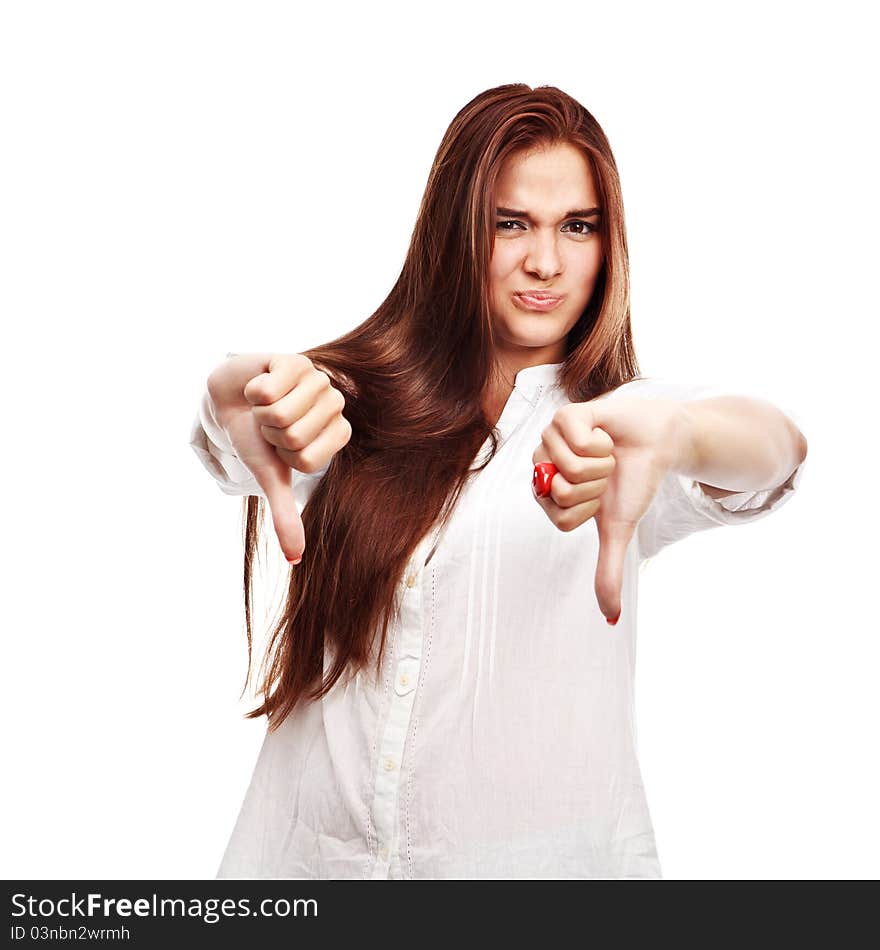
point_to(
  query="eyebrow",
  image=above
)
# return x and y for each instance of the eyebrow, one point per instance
(577, 213)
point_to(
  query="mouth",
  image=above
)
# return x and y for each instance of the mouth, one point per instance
(540, 300)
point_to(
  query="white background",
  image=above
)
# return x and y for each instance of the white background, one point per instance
(184, 179)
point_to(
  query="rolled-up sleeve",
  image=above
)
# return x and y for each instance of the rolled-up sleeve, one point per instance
(681, 507)
(742, 506)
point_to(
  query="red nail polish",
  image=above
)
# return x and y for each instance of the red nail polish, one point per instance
(614, 621)
(290, 560)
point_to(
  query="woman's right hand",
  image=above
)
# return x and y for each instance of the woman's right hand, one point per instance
(280, 413)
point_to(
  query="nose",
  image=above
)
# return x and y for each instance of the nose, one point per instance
(543, 260)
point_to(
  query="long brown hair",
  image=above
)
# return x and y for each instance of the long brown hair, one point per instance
(413, 375)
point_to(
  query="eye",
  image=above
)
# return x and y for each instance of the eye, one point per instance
(585, 226)
(588, 228)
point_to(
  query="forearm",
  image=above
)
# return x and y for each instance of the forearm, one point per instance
(738, 443)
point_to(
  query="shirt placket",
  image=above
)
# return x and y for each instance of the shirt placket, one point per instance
(388, 769)
(389, 765)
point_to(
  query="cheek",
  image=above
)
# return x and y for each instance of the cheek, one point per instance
(587, 266)
(596, 258)
(499, 277)
(503, 261)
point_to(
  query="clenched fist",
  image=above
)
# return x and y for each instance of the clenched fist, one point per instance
(281, 414)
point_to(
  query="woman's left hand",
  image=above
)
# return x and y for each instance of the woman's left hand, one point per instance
(611, 456)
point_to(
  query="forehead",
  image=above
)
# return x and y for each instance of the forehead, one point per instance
(547, 177)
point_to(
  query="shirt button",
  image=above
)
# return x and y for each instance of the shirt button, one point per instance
(411, 580)
(389, 765)
(407, 674)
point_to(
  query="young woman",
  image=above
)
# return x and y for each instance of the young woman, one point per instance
(448, 695)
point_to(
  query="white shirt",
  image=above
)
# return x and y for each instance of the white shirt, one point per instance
(499, 740)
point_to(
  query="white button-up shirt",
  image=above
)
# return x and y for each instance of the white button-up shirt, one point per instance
(498, 740)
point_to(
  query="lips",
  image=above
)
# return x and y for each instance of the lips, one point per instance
(538, 300)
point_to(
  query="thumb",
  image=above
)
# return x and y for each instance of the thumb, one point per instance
(614, 538)
(275, 478)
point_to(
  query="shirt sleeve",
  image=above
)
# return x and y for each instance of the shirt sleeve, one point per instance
(211, 444)
(681, 506)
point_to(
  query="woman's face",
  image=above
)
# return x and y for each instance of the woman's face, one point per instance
(546, 210)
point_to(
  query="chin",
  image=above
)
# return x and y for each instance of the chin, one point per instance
(534, 336)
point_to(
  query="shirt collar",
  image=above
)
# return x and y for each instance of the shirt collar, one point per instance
(528, 379)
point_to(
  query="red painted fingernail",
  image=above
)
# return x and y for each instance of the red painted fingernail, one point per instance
(290, 560)
(542, 477)
(614, 621)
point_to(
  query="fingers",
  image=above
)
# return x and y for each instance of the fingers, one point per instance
(595, 462)
(305, 422)
(578, 479)
(284, 371)
(565, 494)
(581, 441)
(608, 582)
(319, 452)
(567, 519)
(584, 463)
(297, 419)
(275, 480)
